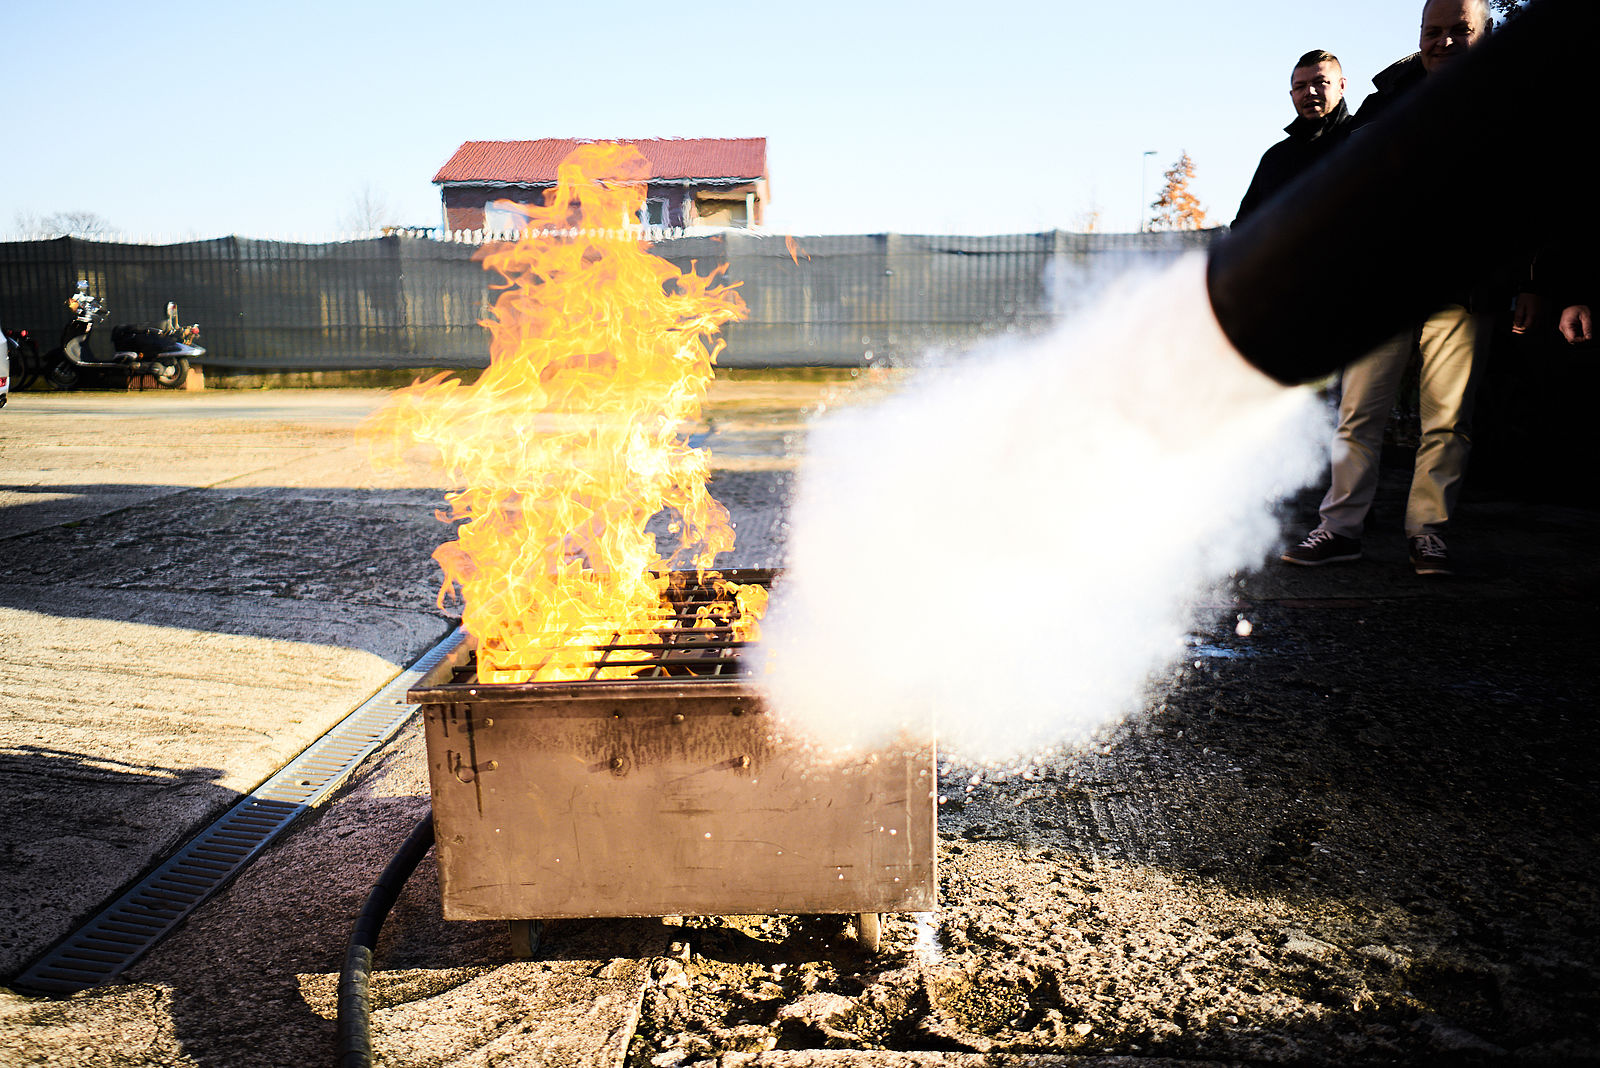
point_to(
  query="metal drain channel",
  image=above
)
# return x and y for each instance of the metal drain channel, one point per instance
(101, 949)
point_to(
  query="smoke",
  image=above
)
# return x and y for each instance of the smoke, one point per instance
(1005, 552)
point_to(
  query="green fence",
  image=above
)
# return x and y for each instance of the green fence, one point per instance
(411, 302)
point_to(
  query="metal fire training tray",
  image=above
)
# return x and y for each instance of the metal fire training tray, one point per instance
(663, 794)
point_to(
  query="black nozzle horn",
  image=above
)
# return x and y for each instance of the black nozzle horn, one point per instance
(1477, 167)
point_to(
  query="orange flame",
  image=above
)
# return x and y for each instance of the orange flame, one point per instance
(795, 251)
(571, 440)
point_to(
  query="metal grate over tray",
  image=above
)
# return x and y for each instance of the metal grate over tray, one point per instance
(694, 637)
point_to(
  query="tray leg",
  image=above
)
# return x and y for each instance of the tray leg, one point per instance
(525, 937)
(867, 932)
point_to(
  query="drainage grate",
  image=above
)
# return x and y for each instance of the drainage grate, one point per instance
(101, 949)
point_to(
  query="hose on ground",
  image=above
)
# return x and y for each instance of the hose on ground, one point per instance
(355, 1006)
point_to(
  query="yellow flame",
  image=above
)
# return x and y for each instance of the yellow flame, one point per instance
(572, 439)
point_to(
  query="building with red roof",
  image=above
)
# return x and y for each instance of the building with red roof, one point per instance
(694, 181)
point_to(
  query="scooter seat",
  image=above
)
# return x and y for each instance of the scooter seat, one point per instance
(127, 335)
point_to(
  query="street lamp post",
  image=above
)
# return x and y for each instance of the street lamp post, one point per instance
(1144, 168)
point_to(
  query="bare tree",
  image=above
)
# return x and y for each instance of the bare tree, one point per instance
(27, 225)
(31, 226)
(368, 209)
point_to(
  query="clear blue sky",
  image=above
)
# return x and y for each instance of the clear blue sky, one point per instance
(268, 118)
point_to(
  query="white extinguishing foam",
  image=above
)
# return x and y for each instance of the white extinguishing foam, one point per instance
(1007, 551)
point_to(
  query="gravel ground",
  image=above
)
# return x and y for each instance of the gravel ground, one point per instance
(1361, 835)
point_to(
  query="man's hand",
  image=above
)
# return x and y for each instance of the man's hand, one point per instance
(1577, 323)
(1525, 314)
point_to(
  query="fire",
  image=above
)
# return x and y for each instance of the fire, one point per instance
(572, 439)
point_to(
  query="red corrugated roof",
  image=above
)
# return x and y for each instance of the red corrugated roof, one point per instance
(707, 158)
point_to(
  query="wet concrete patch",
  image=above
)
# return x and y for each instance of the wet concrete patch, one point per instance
(1365, 842)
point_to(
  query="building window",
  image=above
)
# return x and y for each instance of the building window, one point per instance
(721, 211)
(505, 216)
(654, 212)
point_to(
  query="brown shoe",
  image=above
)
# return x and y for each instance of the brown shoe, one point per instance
(1429, 555)
(1323, 547)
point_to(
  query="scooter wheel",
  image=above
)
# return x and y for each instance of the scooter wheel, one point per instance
(62, 372)
(172, 374)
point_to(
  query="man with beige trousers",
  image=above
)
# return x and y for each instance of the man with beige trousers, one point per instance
(1452, 342)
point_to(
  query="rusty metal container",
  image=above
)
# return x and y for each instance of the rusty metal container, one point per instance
(664, 793)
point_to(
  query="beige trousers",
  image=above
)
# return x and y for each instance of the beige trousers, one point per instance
(1452, 341)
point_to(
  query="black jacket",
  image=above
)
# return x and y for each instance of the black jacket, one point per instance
(1492, 293)
(1568, 271)
(1391, 83)
(1308, 141)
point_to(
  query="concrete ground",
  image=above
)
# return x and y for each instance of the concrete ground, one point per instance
(193, 587)
(1364, 838)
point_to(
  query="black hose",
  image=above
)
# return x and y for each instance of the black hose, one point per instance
(355, 1004)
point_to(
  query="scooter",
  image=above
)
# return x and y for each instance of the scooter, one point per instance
(138, 348)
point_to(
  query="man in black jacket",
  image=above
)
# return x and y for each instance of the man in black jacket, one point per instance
(1316, 88)
(1451, 342)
